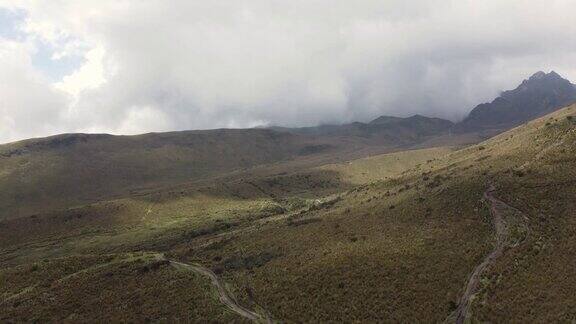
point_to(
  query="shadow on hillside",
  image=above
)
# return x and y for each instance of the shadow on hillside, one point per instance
(308, 184)
(112, 216)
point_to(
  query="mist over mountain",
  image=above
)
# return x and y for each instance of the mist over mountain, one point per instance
(76, 67)
(383, 127)
(540, 94)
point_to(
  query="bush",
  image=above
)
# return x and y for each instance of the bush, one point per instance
(518, 173)
(300, 222)
(248, 262)
(272, 209)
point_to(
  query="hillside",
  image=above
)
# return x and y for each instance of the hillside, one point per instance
(382, 130)
(392, 238)
(67, 170)
(73, 169)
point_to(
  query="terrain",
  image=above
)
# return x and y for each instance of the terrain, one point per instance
(476, 233)
(351, 241)
(52, 173)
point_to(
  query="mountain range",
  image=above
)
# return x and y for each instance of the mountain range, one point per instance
(51, 172)
(409, 220)
(536, 96)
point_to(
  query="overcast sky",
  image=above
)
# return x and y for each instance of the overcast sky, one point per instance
(133, 66)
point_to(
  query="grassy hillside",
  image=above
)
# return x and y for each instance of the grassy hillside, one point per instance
(68, 170)
(87, 289)
(392, 238)
(162, 221)
(402, 249)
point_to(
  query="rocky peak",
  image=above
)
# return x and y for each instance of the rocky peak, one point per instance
(536, 96)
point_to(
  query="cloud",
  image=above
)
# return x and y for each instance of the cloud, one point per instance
(29, 104)
(166, 65)
(90, 75)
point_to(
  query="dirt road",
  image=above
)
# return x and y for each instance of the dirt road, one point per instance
(225, 296)
(496, 205)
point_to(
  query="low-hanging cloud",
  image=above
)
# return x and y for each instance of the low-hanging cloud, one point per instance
(161, 65)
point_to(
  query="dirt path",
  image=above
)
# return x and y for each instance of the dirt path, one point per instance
(225, 296)
(501, 238)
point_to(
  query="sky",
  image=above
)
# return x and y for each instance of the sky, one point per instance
(133, 66)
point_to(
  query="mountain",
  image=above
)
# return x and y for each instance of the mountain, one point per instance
(539, 95)
(421, 125)
(384, 129)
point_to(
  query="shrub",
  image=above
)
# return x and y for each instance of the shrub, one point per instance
(518, 173)
(248, 262)
(272, 209)
(300, 222)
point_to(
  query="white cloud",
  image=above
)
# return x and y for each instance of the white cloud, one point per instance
(139, 118)
(90, 75)
(29, 104)
(164, 65)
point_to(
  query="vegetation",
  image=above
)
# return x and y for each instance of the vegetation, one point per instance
(101, 288)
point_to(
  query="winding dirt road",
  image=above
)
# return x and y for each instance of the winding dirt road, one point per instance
(501, 238)
(225, 296)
